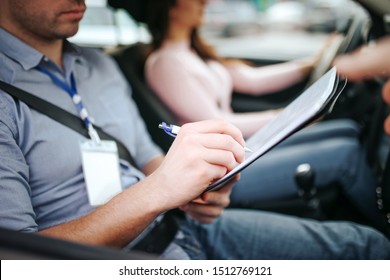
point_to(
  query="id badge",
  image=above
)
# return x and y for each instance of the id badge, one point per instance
(101, 170)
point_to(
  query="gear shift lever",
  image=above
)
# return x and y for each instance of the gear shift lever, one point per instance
(305, 177)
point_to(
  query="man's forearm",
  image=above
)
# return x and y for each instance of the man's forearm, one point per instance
(114, 224)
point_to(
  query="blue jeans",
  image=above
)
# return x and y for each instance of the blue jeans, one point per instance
(246, 234)
(332, 149)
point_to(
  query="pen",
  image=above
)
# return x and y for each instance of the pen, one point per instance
(173, 130)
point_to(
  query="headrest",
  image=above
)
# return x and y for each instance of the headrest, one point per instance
(136, 8)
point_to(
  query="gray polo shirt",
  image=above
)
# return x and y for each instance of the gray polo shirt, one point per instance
(41, 178)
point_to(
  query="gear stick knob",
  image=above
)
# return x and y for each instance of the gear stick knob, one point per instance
(304, 177)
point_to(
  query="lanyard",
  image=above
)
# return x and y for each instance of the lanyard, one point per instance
(76, 98)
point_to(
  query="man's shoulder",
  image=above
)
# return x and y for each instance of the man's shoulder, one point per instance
(7, 69)
(8, 111)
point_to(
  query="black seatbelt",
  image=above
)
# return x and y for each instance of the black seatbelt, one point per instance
(60, 115)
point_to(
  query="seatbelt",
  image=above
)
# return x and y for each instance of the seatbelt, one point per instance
(159, 238)
(60, 115)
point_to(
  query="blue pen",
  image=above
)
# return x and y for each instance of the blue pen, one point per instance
(173, 130)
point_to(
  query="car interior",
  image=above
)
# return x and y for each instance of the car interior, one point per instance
(361, 101)
(358, 104)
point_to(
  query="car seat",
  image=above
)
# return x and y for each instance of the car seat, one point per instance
(22, 246)
(131, 60)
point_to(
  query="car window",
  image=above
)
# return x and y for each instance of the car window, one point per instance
(274, 30)
(253, 29)
(105, 27)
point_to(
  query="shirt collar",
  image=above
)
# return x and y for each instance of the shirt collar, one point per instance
(27, 56)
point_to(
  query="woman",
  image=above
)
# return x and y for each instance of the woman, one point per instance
(196, 84)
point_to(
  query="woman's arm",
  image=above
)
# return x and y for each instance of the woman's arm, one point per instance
(267, 79)
(272, 78)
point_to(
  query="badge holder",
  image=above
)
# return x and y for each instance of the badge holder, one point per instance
(101, 170)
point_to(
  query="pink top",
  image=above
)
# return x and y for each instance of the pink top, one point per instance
(196, 90)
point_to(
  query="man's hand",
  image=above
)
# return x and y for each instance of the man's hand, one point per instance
(367, 63)
(210, 205)
(201, 153)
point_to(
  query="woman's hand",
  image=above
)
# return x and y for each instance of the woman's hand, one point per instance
(325, 55)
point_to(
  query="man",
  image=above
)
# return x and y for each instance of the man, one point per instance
(44, 187)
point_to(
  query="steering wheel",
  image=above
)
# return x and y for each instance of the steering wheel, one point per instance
(341, 43)
(326, 59)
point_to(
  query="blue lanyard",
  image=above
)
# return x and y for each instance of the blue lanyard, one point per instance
(76, 98)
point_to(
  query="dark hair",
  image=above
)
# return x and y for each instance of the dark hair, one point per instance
(157, 20)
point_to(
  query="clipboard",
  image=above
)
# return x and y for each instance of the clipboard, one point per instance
(315, 102)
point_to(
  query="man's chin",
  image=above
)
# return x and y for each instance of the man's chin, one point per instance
(65, 33)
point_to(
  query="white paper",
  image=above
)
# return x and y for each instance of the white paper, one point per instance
(303, 109)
